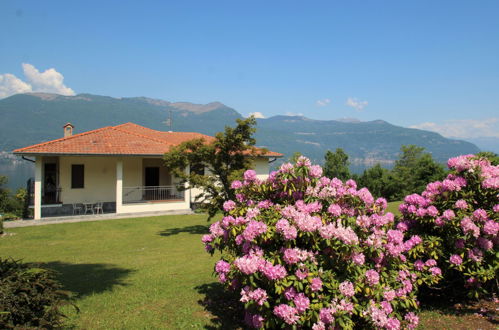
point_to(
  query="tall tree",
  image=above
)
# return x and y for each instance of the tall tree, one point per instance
(336, 164)
(225, 159)
(414, 170)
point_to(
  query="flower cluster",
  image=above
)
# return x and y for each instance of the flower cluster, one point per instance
(458, 219)
(308, 251)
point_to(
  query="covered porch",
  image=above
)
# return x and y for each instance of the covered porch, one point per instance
(93, 185)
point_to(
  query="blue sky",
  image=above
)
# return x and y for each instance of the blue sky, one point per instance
(428, 64)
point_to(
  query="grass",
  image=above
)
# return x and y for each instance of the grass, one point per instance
(394, 207)
(152, 273)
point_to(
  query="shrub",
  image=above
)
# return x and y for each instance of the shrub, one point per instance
(307, 251)
(29, 297)
(458, 220)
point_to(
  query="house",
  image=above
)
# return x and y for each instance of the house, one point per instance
(114, 168)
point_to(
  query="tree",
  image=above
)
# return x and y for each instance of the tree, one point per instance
(225, 159)
(336, 164)
(378, 181)
(414, 170)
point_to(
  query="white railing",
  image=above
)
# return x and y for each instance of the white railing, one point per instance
(142, 194)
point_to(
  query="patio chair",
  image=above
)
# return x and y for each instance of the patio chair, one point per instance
(76, 208)
(98, 208)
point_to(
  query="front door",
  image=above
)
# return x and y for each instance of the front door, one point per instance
(152, 183)
(50, 184)
(152, 176)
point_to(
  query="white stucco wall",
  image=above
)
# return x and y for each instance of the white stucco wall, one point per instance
(99, 179)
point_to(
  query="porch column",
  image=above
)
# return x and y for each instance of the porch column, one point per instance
(119, 185)
(38, 188)
(187, 192)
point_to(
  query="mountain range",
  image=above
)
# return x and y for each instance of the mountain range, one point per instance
(35, 117)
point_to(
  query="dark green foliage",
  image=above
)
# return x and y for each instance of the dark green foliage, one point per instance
(11, 206)
(412, 172)
(225, 159)
(492, 156)
(336, 165)
(379, 181)
(29, 297)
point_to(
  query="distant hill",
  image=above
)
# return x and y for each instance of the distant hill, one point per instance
(32, 118)
(366, 143)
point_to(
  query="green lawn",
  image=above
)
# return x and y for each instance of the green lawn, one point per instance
(129, 273)
(147, 273)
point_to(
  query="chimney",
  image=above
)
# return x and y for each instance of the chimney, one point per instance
(68, 129)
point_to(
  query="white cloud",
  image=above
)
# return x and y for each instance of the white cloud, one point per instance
(256, 115)
(10, 85)
(464, 128)
(323, 102)
(356, 104)
(48, 81)
(294, 114)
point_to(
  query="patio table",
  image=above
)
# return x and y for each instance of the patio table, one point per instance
(88, 207)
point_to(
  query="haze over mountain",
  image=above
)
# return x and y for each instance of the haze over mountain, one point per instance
(36, 117)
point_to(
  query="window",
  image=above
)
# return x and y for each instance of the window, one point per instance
(77, 176)
(197, 169)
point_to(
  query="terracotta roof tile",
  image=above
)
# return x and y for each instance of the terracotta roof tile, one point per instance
(125, 139)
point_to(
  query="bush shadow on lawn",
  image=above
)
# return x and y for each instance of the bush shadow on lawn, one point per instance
(197, 230)
(464, 312)
(224, 306)
(87, 279)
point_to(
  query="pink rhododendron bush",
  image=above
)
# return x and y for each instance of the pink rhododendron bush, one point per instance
(458, 221)
(306, 251)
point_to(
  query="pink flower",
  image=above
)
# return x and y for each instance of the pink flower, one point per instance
(316, 284)
(301, 274)
(469, 227)
(480, 215)
(372, 277)
(273, 272)
(412, 319)
(418, 265)
(448, 214)
(347, 289)
(389, 295)
(248, 264)
(435, 271)
(229, 205)
(475, 255)
(326, 315)
(283, 227)
(456, 259)
(222, 266)
(491, 227)
(461, 204)
(290, 293)
(250, 175)
(315, 171)
(392, 324)
(301, 302)
(484, 243)
(430, 263)
(334, 209)
(358, 258)
(287, 313)
(236, 184)
(395, 236)
(254, 229)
